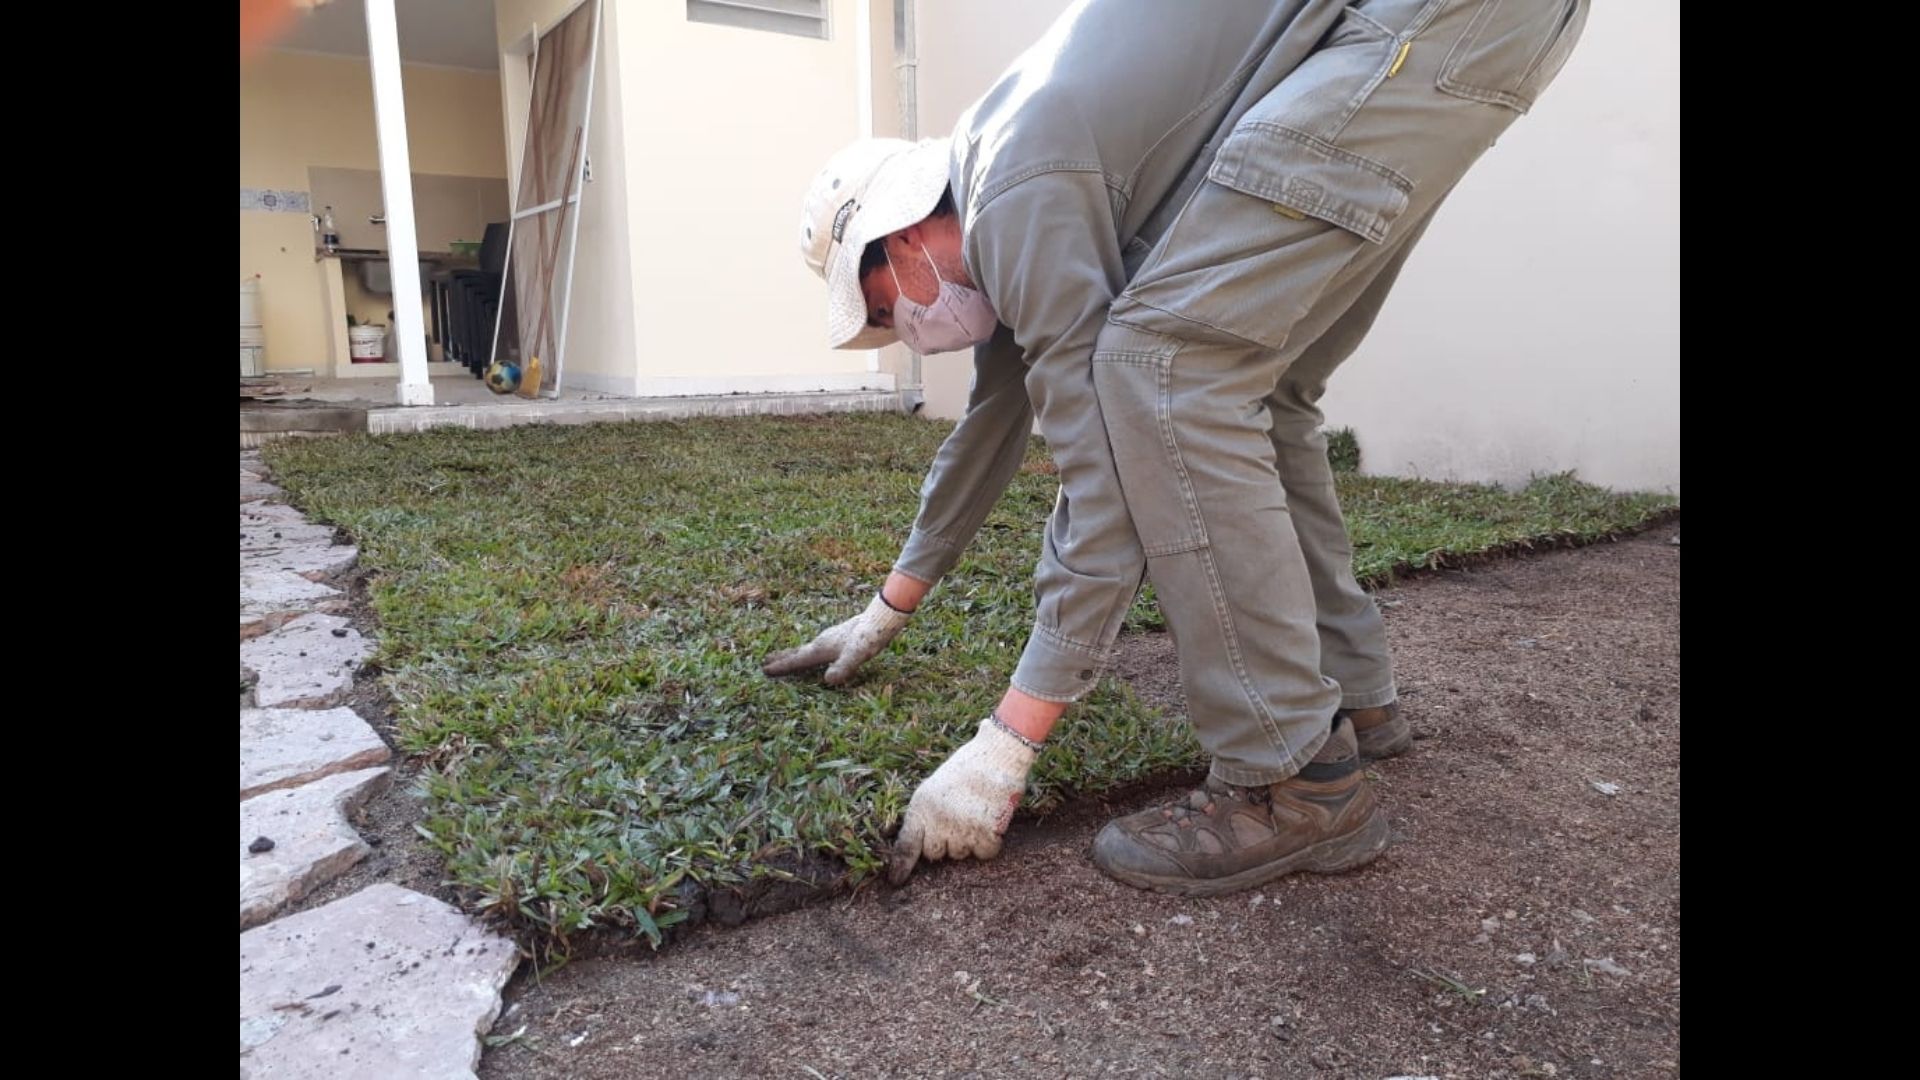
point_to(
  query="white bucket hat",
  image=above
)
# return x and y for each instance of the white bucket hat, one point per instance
(869, 189)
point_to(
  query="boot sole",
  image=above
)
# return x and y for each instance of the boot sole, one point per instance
(1333, 856)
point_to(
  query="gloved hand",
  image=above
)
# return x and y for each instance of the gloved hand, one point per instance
(845, 647)
(964, 807)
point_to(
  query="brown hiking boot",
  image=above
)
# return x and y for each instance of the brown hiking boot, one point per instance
(1224, 838)
(1382, 732)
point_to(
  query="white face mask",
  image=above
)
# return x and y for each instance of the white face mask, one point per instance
(959, 317)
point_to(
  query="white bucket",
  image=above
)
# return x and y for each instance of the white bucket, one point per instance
(252, 335)
(367, 344)
(250, 302)
(251, 364)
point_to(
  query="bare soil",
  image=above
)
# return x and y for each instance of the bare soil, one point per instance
(1525, 922)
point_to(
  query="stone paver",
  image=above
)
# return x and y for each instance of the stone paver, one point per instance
(308, 663)
(270, 597)
(252, 490)
(283, 748)
(312, 561)
(262, 512)
(384, 983)
(272, 535)
(313, 842)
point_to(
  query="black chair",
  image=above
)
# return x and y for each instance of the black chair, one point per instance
(468, 301)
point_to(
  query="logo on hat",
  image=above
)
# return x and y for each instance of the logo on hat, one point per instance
(840, 217)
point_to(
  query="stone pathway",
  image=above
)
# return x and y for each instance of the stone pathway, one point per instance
(386, 982)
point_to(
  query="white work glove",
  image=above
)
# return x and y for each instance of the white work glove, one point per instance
(845, 647)
(964, 807)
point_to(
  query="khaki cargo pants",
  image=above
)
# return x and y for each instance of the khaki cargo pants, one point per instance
(1214, 357)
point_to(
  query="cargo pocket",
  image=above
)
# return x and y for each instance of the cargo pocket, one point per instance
(1511, 50)
(1280, 214)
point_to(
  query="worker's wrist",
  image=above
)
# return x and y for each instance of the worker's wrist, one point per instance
(1028, 717)
(902, 593)
(1034, 745)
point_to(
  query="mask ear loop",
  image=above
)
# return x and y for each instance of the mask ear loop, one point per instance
(898, 291)
(895, 274)
(930, 266)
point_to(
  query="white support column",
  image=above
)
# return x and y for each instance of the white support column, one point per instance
(863, 95)
(906, 73)
(396, 187)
